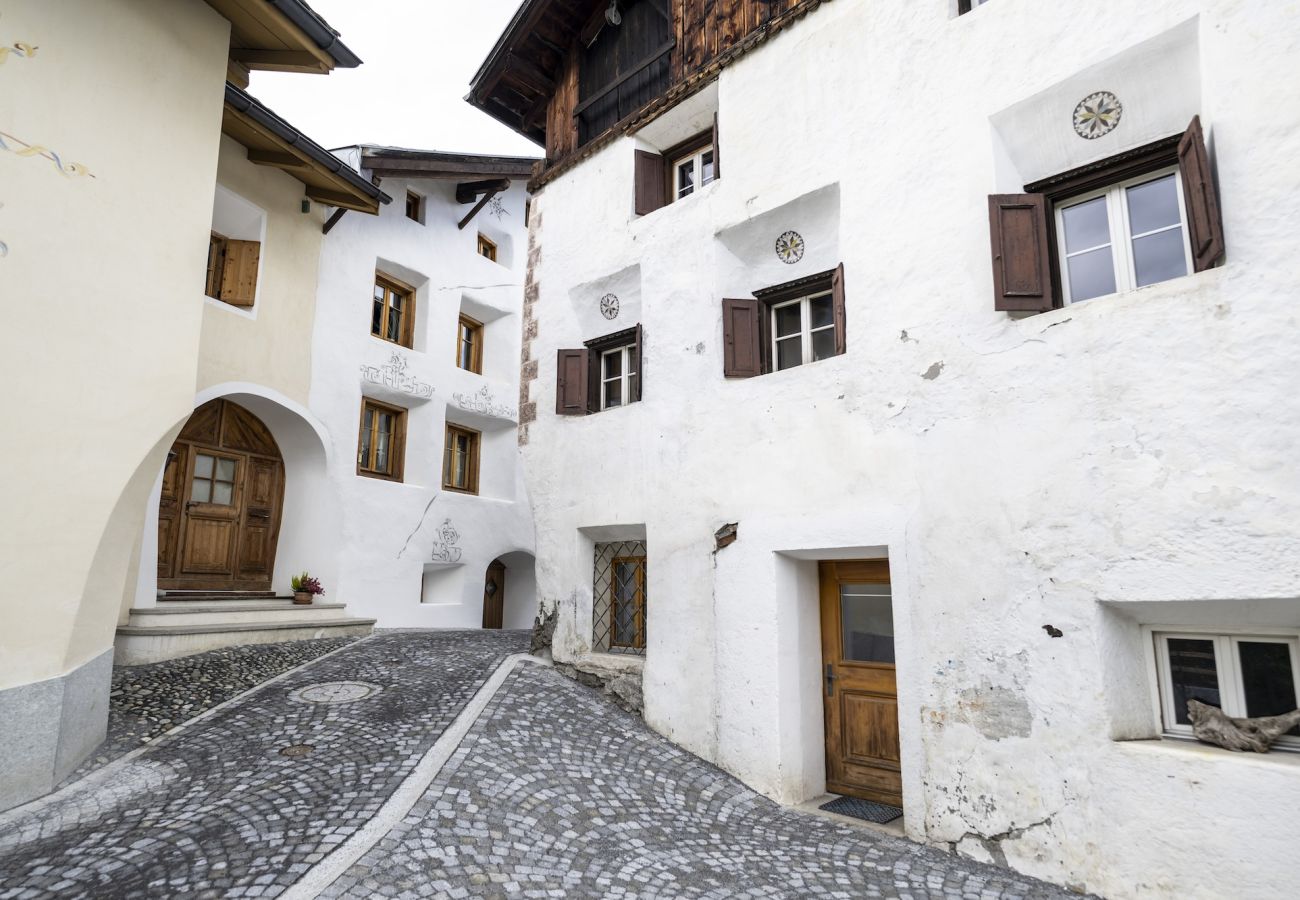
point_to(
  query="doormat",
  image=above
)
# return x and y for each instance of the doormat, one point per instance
(858, 808)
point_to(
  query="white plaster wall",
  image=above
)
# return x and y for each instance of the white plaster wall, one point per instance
(1017, 472)
(390, 530)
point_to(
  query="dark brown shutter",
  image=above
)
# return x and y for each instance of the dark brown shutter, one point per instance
(239, 272)
(837, 304)
(571, 383)
(1022, 274)
(651, 190)
(1204, 221)
(637, 356)
(717, 153)
(741, 356)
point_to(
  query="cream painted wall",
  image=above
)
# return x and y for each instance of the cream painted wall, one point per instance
(271, 343)
(1137, 449)
(101, 286)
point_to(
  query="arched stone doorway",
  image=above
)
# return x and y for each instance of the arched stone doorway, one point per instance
(221, 502)
(510, 591)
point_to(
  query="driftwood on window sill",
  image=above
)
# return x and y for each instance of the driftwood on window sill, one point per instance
(1211, 725)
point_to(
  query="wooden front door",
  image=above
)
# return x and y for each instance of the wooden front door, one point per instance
(494, 595)
(219, 515)
(859, 687)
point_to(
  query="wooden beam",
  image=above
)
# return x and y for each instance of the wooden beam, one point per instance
(237, 74)
(457, 170)
(474, 212)
(336, 198)
(333, 220)
(537, 114)
(467, 191)
(277, 159)
(279, 60)
(532, 76)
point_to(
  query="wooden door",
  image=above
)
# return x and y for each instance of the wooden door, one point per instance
(859, 686)
(219, 513)
(494, 595)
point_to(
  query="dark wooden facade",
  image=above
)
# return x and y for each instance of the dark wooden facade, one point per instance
(563, 76)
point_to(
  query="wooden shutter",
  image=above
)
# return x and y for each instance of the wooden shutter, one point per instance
(741, 354)
(717, 152)
(1022, 270)
(637, 357)
(651, 187)
(1204, 221)
(239, 274)
(837, 304)
(571, 384)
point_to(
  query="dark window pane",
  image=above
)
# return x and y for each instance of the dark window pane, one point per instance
(377, 318)
(1267, 679)
(1091, 275)
(789, 353)
(787, 320)
(1087, 225)
(867, 622)
(820, 312)
(1193, 674)
(1159, 257)
(823, 344)
(1153, 205)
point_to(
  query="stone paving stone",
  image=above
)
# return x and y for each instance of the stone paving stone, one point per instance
(217, 811)
(147, 701)
(557, 793)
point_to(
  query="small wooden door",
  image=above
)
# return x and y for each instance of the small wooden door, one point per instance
(494, 595)
(219, 514)
(859, 686)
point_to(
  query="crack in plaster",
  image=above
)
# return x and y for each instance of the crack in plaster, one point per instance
(424, 515)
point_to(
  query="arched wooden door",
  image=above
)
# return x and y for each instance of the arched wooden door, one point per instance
(219, 517)
(494, 595)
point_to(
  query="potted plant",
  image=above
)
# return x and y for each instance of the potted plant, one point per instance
(305, 588)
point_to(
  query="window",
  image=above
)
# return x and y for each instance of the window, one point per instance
(460, 460)
(677, 173)
(965, 6)
(232, 270)
(393, 315)
(1122, 237)
(619, 589)
(1246, 676)
(1145, 216)
(469, 345)
(785, 326)
(214, 480)
(602, 375)
(381, 443)
(689, 172)
(414, 206)
(487, 248)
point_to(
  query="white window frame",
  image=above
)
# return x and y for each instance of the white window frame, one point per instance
(1227, 664)
(697, 159)
(1121, 233)
(626, 354)
(805, 330)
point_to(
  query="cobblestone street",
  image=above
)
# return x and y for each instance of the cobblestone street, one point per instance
(553, 792)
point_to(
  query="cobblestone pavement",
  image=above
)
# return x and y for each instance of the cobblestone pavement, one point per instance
(556, 793)
(553, 793)
(147, 701)
(218, 811)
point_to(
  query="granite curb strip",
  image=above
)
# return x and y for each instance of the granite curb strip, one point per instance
(399, 804)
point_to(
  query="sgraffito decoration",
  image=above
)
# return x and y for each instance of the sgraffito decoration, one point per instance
(22, 148)
(18, 49)
(1097, 115)
(482, 401)
(497, 208)
(790, 247)
(393, 374)
(446, 547)
(609, 306)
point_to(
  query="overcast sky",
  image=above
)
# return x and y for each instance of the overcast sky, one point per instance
(418, 57)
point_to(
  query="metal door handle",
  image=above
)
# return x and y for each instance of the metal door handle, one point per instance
(830, 679)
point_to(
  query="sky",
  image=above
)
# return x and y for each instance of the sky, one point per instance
(418, 57)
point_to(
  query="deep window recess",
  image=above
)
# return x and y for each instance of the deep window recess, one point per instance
(604, 374)
(1247, 676)
(677, 173)
(381, 442)
(469, 345)
(1145, 216)
(965, 6)
(460, 460)
(414, 206)
(785, 326)
(624, 64)
(619, 589)
(487, 248)
(232, 270)
(393, 314)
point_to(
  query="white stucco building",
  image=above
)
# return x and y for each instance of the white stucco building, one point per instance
(417, 333)
(1038, 487)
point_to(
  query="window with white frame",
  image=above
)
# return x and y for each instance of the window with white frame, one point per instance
(803, 330)
(1123, 237)
(965, 6)
(692, 171)
(618, 376)
(1245, 675)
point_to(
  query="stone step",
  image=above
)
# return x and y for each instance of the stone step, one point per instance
(233, 612)
(192, 596)
(139, 645)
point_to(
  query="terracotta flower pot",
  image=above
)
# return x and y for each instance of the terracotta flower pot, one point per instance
(301, 598)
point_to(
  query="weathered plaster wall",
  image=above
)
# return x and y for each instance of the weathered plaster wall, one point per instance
(99, 328)
(1017, 472)
(417, 555)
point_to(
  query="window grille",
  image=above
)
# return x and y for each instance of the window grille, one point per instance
(619, 589)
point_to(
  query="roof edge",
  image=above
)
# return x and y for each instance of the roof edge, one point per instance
(316, 28)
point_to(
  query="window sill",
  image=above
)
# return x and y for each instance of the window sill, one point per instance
(466, 492)
(1196, 284)
(617, 662)
(247, 312)
(1185, 750)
